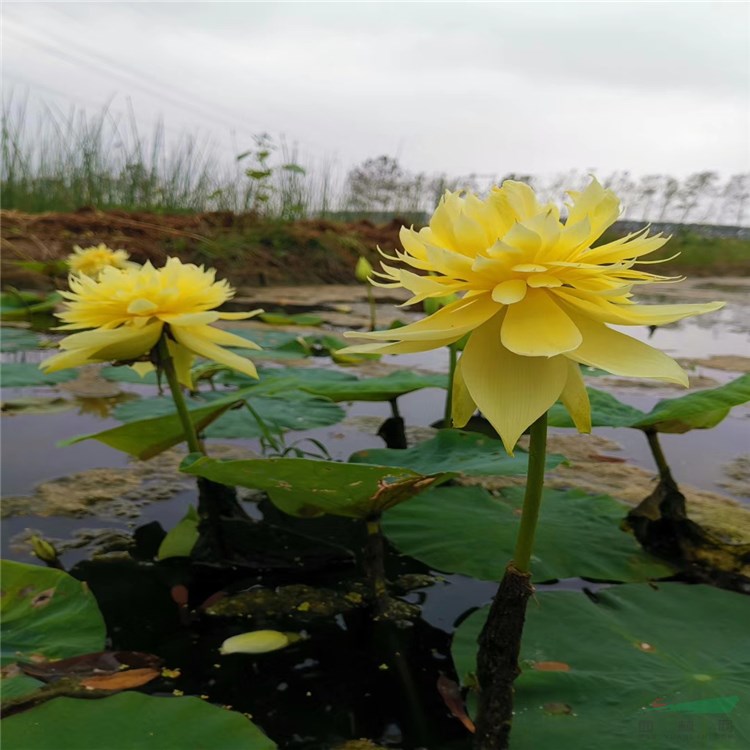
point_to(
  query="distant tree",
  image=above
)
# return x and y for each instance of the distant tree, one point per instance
(375, 185)
(736, 194)
(695, 188)
(670, 190)
(648, 187)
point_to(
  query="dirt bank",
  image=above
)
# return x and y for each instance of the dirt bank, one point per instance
(249, 250)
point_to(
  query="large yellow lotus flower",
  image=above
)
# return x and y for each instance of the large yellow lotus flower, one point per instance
(91, 261)
(127, 311)
(536, 298)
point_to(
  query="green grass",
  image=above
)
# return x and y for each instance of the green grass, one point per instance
(62, 162)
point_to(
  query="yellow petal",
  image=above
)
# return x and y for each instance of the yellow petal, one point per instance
(622, 355)
(123, 343)
(142, 368)
(397, 347)
(599, 205)
(256, 642)
(191, 319)
(523, 238)
(225, 338)
(240, 315)
(543, 281)
(462, 404)
(141, 306)
(66, 360)
(617, 251)
(509, 292)
(520, 198)
(449, 323)
(182, 359)
(538, 327)
(193, 339)
(510, 390)
(575, 398)
(602, 310)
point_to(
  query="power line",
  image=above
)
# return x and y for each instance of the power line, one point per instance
(74, 59)
(136, 77)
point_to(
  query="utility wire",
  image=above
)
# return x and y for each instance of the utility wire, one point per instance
(74, 59)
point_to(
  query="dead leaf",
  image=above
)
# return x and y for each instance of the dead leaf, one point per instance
(131, 678)
(451, 695)
(598, 457)
(179, 595)
(550, 666)
(558, 709)
(89, 665)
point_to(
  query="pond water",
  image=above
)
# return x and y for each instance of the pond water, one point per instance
(352, 677)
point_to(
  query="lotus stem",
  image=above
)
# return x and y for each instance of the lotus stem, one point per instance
(500, 639)
(533, 497)
(373, 309)
(452, 360)
(661, 462)
(167, 366)
(374, 558)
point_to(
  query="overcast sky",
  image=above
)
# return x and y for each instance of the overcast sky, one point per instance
(459, 88)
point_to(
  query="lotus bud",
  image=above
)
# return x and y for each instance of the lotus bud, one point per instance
(363, 270)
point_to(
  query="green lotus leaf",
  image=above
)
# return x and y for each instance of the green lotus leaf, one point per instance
(45, 613)
(28, 374)
(18, 339)
(309, 488)
(699, 410)
(295, 410)
(132, 720)
(631, 667)
(452, 450)
(469, 531)
(146, 438)
(181, 539)
(606, 411)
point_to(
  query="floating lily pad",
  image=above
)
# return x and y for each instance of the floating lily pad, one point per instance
(307, 488)
(132, 720)
(37, 405)
(452, 450)
(28, 374)
(635, 667)
(279, 379)
(18, 339)
(288, 319)
(385, 388)
(126, 374)
(469, 531)
(45, 614)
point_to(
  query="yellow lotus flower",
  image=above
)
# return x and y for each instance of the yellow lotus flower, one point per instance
(127, 311)
(536, 298)
(91, 261)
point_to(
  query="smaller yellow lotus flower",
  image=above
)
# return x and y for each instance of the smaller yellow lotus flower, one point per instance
(92, 260)
(123, 314)
(257, 642)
